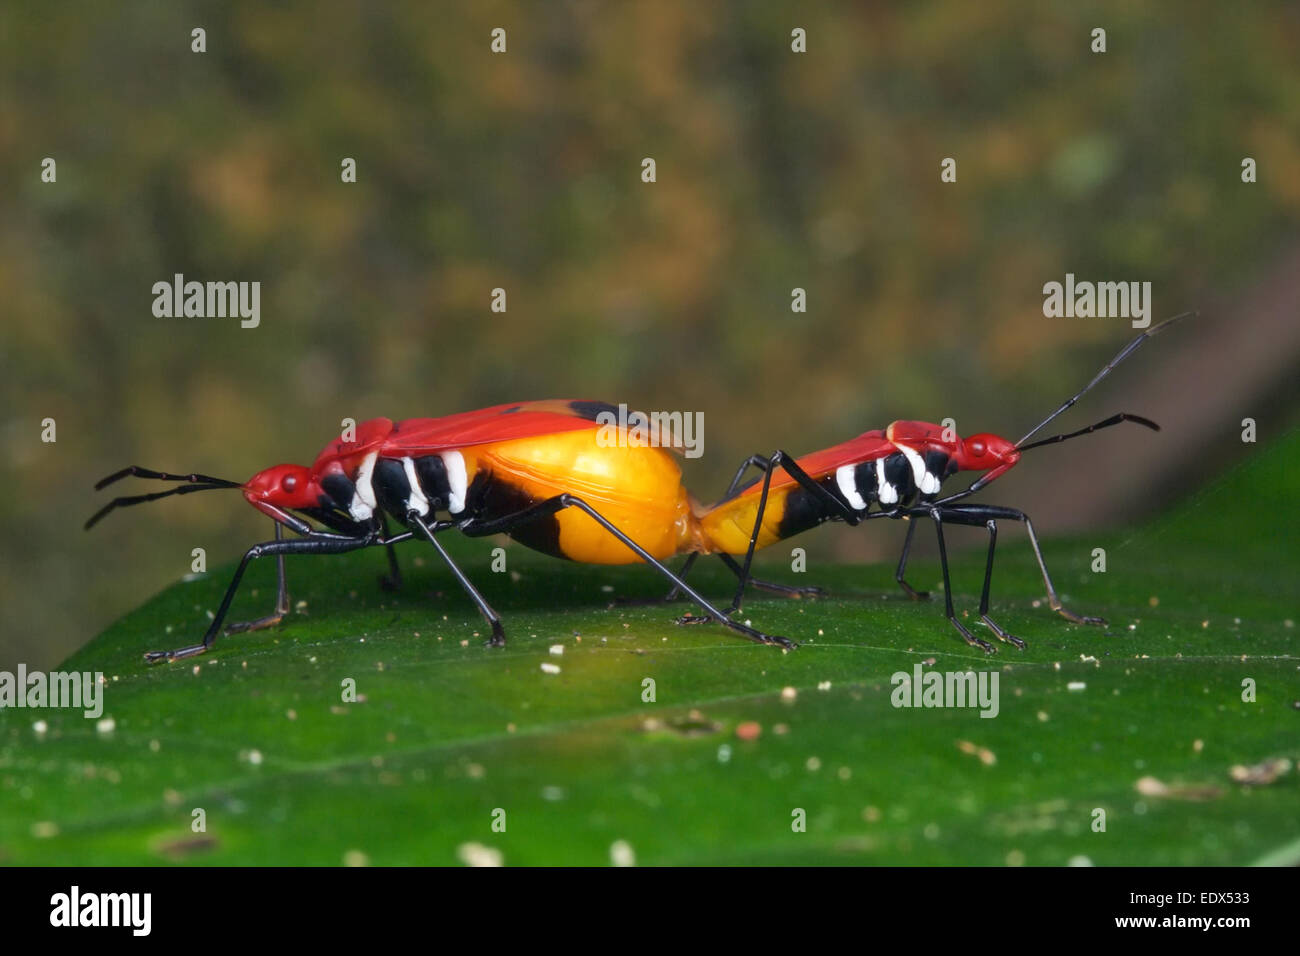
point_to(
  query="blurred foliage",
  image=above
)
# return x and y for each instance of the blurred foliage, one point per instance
(522, 171)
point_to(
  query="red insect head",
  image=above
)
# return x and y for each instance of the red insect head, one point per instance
(283, 486)
(984, 451)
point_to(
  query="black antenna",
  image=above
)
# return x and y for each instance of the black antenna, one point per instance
(1113, 420)
(1124, 353)
(197, 483)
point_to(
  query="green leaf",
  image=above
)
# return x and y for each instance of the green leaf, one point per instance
(445, 731)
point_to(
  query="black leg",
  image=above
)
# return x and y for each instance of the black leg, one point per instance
(391, 581)
(902, 566)
(982, 513)
(835, 506)
(551, 506)
(281, 597)
(937, 516)
(753, 461)
(789, 590)
(996, 628)
(498, 638)
(686, 569)
(316, 544)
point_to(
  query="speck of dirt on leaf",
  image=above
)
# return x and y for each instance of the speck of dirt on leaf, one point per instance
(781, 729)
(1198, 745)
(1042, 717)
(986, 756)
(1153, 787)
(789, 694)
(871, 814)
(824, 685)
(44, 829)
(476, 854)
(749, 730)
(106, 726)
(549, 668)
(621, 854)
(1260, 774)
(813, 764)
(1015, 858)
(40, 727)
(556, 650)
(186, 846)
(355, 858)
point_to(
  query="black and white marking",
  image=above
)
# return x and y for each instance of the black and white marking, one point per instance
(424, 485)
(892, 479)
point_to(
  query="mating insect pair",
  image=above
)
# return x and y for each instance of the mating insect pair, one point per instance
(537, 472)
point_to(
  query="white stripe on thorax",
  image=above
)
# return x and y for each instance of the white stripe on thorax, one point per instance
(848, 482)
(362, 507)
(928, 483)
(457, 479)
(416, 501)
(888, 493)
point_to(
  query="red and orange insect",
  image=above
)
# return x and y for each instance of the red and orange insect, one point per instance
(536, 471)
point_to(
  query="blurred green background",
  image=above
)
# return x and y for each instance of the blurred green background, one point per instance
(522, 170)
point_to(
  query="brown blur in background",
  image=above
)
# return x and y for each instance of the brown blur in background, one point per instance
(522, 170)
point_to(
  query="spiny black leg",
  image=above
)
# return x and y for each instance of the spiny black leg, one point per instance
(391, 581)
(316, 544)
(281, 597)
(899, 575)
(970, 638)
(985, 512)
(498, 638)
(984, 595)
(560, 502)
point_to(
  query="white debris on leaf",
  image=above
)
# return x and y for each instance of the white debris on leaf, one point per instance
(621, 853)
(476, 854)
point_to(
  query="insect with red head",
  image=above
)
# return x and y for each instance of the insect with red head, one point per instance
(900, 471)
(539, 472)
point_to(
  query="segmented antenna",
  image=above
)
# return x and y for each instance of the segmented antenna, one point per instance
(196, 483)
(1124, 353)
